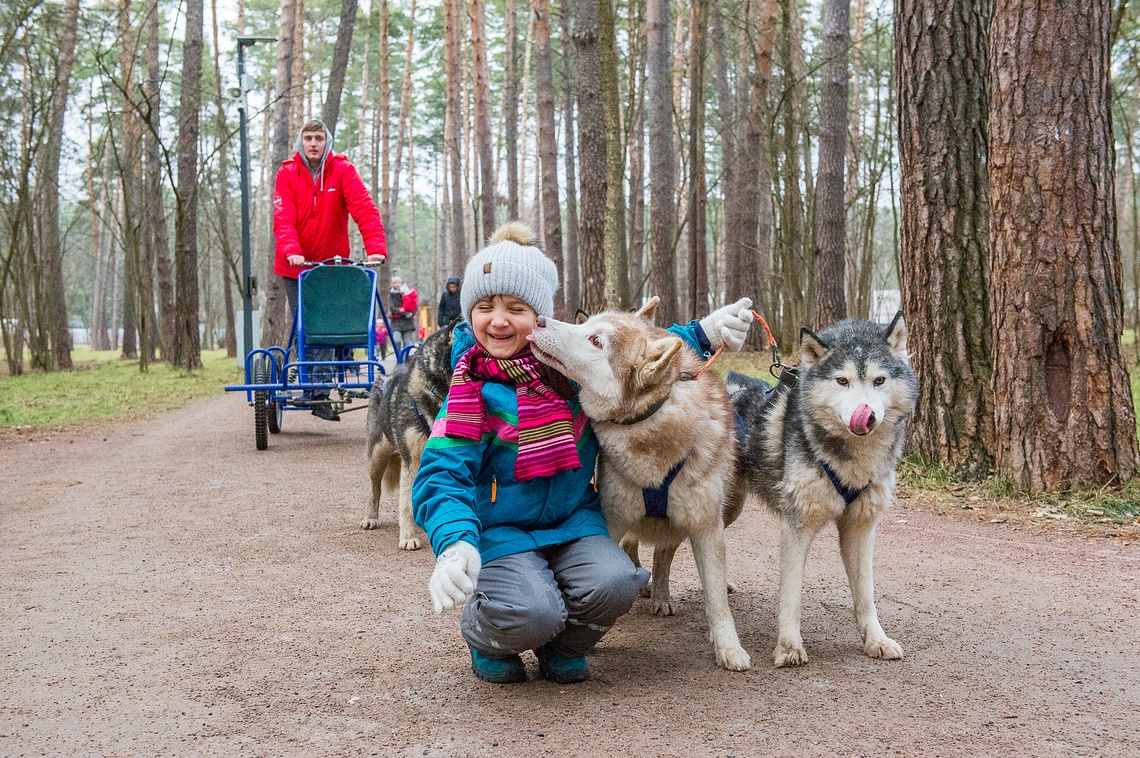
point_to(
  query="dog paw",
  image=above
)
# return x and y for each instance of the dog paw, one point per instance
(370, 523)
(884, 648)
(663, 608)
(730, 587)
(411, 543)
(789, 654)
(733, 658)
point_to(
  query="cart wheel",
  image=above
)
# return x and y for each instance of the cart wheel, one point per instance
(273, 417)
(260, 403)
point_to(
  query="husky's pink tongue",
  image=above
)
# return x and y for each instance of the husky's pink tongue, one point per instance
(862, 419)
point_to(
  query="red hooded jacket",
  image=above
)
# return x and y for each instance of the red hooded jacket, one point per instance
(311, 220)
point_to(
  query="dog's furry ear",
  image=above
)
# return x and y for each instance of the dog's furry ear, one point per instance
(646, 311)
(812, 348)
(581, 317)
(896, 336)
(658, 356)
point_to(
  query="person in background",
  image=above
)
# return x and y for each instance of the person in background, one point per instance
(315, 192)
(449, 305)
(402, 304)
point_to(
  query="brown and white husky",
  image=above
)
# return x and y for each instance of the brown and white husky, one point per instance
(656, 422)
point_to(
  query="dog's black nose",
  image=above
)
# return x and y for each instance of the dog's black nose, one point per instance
(541, 320)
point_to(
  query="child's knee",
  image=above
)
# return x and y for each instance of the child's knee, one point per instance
(516, 627)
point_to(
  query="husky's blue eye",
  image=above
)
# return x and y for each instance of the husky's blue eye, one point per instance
(842, 380)
(880, 380)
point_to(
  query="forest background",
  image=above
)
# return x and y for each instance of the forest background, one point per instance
(973, 161)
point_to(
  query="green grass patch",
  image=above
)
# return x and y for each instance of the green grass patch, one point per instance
(103, 387)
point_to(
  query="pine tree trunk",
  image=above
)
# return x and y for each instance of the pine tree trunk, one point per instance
(571, 285)
(831, 218)
(698, 300)
(511, 109)
(130, 159)
(229, 262)
(384, 114)
(636, 140)
(403, 129)
(49, 180)
(187, 341)
(547, 140)
(613, 237)
(277, 321)
(159, 236)
(591, 157)
(1063, 409)
(331, 111)
(477, 12)
(943, 88)
(98, 327)
(452, 35)
(662, 160)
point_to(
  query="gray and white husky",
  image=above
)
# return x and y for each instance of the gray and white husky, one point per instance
(401, 410)
(824, 448)
(666, 463)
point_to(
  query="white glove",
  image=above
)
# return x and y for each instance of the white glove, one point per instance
(728, 326)
(456, 572)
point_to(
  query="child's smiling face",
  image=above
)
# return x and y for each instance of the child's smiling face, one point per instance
(502, 323)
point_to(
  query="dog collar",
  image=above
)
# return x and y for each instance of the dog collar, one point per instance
(849, 494)
(422, 422)
(643, 415)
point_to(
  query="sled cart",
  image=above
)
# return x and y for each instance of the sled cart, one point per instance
(337, 308)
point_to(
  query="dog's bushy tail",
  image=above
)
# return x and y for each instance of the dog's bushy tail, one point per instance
(514, 231)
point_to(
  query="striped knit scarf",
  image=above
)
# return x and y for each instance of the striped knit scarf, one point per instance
(546, 425)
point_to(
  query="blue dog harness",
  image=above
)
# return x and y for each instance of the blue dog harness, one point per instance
(657, 498)
(848, 494)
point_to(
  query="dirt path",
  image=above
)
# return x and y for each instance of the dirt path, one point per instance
(170, 591)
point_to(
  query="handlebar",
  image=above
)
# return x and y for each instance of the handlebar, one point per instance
(338, 260)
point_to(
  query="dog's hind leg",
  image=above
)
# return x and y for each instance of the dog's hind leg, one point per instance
(377, 471)
(708, 550)
(659, 584)
(857, 545)
(795, 542)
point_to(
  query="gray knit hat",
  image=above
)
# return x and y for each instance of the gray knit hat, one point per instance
(511, 264)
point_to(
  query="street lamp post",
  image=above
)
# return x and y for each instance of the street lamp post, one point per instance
(245, 85)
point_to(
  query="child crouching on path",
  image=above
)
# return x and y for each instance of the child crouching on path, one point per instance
(504, 487)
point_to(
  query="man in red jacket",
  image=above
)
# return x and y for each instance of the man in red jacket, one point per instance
(315, 193)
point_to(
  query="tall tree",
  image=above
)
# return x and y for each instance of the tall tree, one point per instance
(662, 160)
(452, 42)
(49, 182)
(635, 137)
(591, 157)
(613, 238)
(1063, 409)
(943, 83)
(157, 233)
(697, 302)
(477, 12)
(222, 193)
(403, 129)
(187, 342)
(276, 321)
(129, 159)
(571, 282)
(331, 111)
(547, 139)
(511, 108)
(831, 216)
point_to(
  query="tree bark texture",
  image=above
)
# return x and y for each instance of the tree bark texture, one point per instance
(277, 321)
(591, 157)
(384, 115)
(547, 140)
(452, 31)
(698, 300)
(1063, 409)
(942, 57)
(613, 236)
(511, 109)
(331, 111)
(571, 283)
(635, 137)
(831, 216)
(187, 342)
(403, 129)
(130, 177)
(229, 262)
(60, 356)
(157, 230)
(487, 195)
(662, 160)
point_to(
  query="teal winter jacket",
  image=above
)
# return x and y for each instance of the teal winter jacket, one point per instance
(466, 489)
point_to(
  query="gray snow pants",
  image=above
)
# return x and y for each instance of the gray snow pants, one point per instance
(568, 595)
